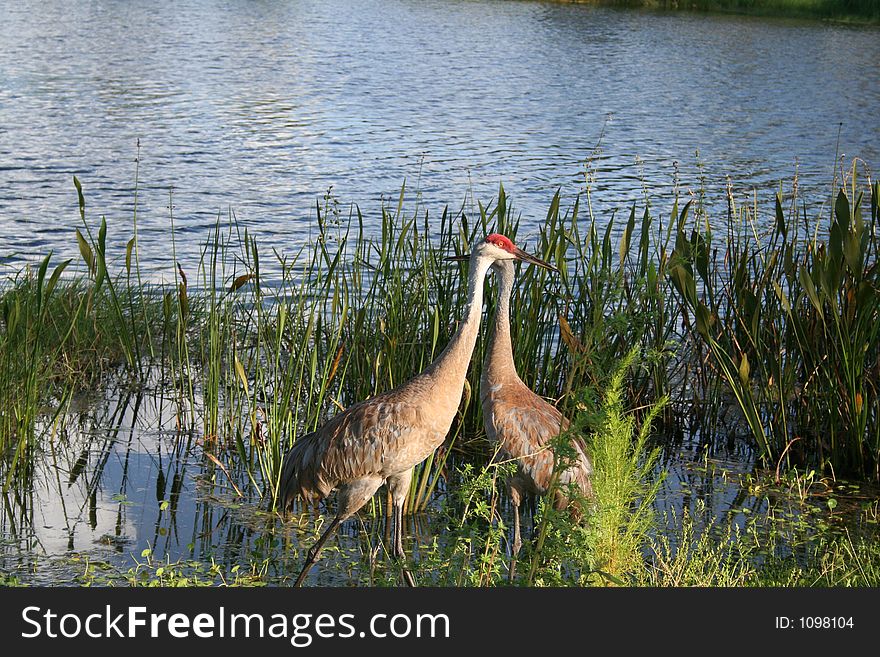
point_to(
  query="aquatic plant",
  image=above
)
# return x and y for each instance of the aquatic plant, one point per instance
(790, 321)
(759, 328)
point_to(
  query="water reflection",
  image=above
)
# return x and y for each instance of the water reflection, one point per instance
(120, 476)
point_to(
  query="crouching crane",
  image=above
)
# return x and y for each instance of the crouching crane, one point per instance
(381, 439)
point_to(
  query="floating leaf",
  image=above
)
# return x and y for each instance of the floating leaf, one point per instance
(122, 499)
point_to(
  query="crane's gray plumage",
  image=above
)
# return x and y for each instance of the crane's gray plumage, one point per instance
(520, 421)
(381, 439)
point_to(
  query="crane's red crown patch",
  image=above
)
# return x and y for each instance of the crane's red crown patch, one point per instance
(501, 241)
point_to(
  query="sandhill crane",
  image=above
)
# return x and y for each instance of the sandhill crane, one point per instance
(521, 422)
(381, 439)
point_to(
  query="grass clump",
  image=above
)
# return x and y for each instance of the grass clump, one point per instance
(605, 546)
(763, 551)
(475, 537)
(624, 480)
(789, 320)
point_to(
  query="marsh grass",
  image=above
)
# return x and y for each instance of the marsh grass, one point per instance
(789, 319)
(258, 346)
(771, 550)
(361, 314)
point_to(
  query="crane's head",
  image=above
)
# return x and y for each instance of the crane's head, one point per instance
(497, 247)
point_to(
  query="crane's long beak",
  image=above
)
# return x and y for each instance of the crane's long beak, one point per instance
(528, 257)
(458, 258)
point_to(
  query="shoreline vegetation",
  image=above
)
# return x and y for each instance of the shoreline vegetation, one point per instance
(761, 324)
(848, 11)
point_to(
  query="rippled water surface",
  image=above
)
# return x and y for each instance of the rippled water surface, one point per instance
(262, 107)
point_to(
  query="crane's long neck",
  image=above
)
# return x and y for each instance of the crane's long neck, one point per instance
(449, 369)
(498, 362)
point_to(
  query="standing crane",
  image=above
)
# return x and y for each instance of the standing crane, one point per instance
(381, 439)
(521, 422)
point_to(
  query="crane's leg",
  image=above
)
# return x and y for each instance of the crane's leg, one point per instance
(313, 554)
(351, 497)
(399, 487)
(515, 498)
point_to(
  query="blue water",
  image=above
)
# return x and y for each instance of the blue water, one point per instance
(261, 108)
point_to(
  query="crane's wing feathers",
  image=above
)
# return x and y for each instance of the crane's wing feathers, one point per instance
(380, 436)
(524, 429)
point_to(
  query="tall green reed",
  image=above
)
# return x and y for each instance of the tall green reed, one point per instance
(789, 319)
(264, 345)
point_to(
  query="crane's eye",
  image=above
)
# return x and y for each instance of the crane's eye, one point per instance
(501, 241)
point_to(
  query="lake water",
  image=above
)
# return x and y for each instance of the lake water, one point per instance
(262, 107)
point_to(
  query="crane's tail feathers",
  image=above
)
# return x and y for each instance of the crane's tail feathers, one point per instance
(300, 476)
